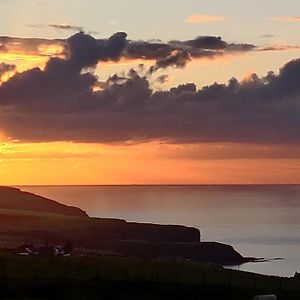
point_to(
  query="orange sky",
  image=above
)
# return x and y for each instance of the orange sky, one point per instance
(149, 163)
(152, 162)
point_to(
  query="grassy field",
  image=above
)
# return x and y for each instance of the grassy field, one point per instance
(91, 277)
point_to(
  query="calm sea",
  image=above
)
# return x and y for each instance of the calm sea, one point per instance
(260, 221)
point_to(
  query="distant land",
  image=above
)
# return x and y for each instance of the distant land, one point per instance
(159, 184)
(13, 198)
(26, 216)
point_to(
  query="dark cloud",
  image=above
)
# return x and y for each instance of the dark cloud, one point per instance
(85, 51)
(62, 80)
(82, 45)
(240, 48)
(178, 53)
(212, 43)
(66, 27)
(203, 42)
(61, 26)
(176, 59)
(278, 48)
(162, 79)
(267, 36)
(61, 103)
(174, 54)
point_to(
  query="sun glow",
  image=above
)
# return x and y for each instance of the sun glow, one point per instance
(51, 50)
(6, 76)
(148, 163)
(22, 62)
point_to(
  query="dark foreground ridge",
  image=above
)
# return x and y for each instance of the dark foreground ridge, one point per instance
(12, 198)
(99, 277)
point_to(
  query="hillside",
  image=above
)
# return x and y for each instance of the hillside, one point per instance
(25, 216)
(15, 199)
(116, 237)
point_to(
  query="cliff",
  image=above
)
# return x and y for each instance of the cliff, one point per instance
(15, 199)
(25, 216)
(208, 252)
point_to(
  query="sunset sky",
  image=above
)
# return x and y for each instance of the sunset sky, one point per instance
(141, 92)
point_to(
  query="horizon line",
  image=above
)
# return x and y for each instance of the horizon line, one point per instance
(154, 185)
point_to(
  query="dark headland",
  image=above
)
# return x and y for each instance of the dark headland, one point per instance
(115, 259)
(25, 216)
(15, 199)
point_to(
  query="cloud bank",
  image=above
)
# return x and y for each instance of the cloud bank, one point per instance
(66, 26)
(170, 54)
(60, 103)
(175, 53)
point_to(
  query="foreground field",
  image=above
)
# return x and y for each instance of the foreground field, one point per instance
(113, 278)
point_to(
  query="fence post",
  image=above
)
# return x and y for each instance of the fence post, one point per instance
(280, 284)
(126, 276)
(37, 271)
(67, 270)
(3, 268)
(177, 279)
(255, 282)
(230, 279)
(97, 276)
(152, 276)
(203, 278)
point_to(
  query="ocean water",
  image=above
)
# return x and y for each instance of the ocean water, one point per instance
(259, 221)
